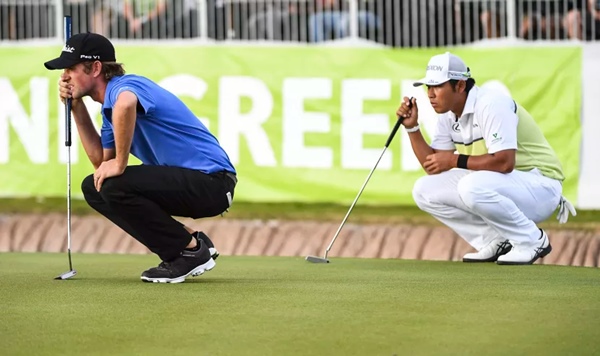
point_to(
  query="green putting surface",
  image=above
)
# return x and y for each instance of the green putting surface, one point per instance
(286, 306)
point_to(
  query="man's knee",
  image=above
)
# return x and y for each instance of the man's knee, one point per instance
(474, 189)
(421, 190)
(87, 187)
(90, 194)
(113, 189)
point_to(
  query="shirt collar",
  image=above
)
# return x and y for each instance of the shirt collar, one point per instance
(470, 103)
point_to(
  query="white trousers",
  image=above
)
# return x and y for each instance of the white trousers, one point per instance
(482, 206)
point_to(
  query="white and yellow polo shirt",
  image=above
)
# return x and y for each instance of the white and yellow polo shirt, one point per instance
(493, 122)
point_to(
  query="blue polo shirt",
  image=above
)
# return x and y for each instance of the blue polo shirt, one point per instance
(166, 132)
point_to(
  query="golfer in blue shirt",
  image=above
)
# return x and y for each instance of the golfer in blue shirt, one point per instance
(184, 170)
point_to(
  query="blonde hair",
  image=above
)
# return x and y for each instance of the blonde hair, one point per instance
(109, 69)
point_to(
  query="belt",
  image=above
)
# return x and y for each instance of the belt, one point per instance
(231, 176)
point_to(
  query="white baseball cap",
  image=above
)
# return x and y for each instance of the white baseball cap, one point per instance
(442, 68)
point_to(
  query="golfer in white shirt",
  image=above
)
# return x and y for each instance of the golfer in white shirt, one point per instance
(505, 178)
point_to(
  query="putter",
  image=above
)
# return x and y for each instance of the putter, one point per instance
(71, 272)
(324, 259)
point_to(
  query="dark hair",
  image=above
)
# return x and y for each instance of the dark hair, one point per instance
(470, 84)
(109, 69)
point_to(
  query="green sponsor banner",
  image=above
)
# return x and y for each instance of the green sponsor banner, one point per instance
(300, 124)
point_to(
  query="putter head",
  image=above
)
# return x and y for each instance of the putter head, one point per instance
(315, 259)
(67, 275)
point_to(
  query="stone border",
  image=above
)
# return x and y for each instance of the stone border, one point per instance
(95, 234)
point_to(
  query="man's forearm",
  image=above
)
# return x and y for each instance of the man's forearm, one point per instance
(124, 126)
(491, 162)
(87, 133)
(420, 147)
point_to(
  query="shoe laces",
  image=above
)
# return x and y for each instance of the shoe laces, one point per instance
(502, 246)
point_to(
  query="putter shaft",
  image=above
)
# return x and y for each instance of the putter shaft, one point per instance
(71, 272)
(353, 204)
(387, 143)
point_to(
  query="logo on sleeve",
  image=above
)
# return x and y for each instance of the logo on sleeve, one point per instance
(496, 138)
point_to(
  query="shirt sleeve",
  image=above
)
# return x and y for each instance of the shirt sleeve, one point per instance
(137, 87)
(499, 120)
(442, 140)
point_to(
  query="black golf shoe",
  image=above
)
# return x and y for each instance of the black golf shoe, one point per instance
(199, 235)
(189, 263)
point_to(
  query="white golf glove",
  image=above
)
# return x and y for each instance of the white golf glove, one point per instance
(564, 207)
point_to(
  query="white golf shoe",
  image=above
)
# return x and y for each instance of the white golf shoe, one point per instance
(527, 254)
(490, 253)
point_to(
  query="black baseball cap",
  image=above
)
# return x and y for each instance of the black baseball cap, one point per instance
(83, 47)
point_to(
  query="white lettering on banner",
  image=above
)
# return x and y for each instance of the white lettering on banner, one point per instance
(233, 123)
(355, 123)
(427, 122)
(184, 85)
(31, 131)
(588, 195)
(496, 86)
(297, 122)
(93, 109)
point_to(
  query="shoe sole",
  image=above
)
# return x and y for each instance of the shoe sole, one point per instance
(472, 260)
(542, 254)
(209, 265)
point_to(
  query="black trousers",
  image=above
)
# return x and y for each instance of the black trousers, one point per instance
(143, 200)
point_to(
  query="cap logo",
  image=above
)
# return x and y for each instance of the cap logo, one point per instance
(435, 68)
(68, 48)
(459, 75)
(85, 56)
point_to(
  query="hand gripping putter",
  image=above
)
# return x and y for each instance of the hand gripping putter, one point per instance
(71, 272)
(315, 259)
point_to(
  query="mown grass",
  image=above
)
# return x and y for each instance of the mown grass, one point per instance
(286, 306)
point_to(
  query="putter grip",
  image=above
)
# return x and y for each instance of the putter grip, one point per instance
(67, 31)
(68, 122)
(397, 126)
